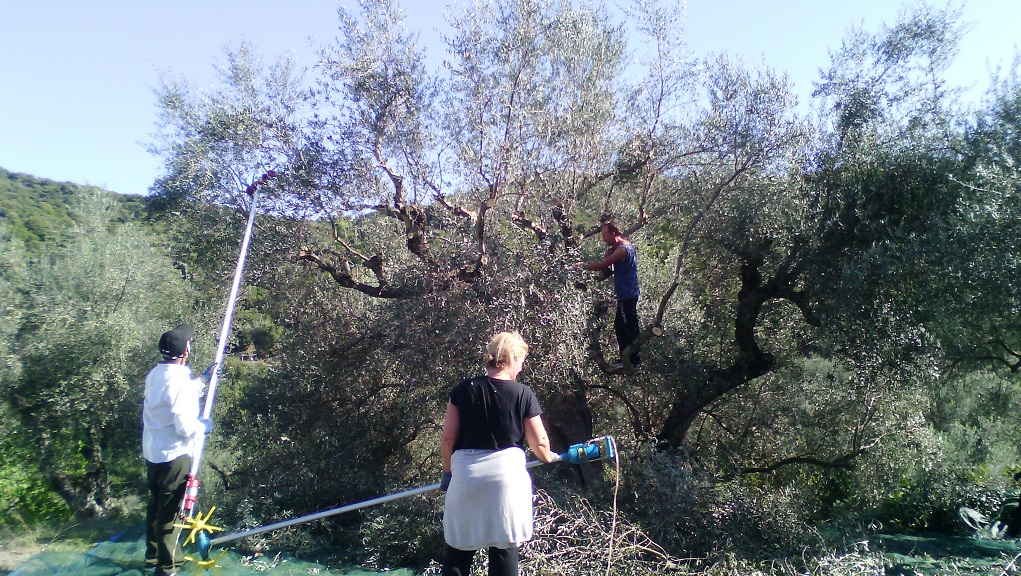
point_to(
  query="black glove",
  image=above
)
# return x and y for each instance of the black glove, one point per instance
(207, 375)
(445, 481)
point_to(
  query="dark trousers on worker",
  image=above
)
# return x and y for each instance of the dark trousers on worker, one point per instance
(502, 562)
(626, 325)
(167, 482)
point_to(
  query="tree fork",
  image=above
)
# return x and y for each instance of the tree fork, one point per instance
(752, 361)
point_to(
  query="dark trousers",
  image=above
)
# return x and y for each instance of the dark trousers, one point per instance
(167, 482)
(502, 562)
(626, 325)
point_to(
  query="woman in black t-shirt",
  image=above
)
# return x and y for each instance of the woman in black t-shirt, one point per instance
(489, 492)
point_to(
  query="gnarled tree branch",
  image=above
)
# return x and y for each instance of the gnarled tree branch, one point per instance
(344, 276)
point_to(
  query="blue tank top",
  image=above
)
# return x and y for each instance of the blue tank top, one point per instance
(625, 275)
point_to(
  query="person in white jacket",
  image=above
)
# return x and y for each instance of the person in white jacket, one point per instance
(172, 427)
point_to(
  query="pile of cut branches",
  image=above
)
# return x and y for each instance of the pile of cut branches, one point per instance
(576, 538)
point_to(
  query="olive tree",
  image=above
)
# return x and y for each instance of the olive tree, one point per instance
(85, 339)
(985, 227)
(782, 263)
(13, 290)
(973, 307)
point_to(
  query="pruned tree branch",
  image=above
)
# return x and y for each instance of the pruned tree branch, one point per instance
(522, 221)
(344, 276)
(841, 462)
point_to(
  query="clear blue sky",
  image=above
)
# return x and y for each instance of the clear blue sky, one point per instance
(76, 76)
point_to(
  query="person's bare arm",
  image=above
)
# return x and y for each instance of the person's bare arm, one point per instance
(538, 440)
(616, 255)
(451, 425)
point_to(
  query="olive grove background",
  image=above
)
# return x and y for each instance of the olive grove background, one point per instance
(830, 300)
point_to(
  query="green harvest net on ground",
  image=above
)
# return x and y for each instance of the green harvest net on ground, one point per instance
(904, 554)
(124, 556)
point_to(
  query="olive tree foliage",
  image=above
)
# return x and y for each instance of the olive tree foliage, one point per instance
(13, 291)
(216, 145)
(828, 243)
(25, 495)
(976, 311)
(13, 282)
(738, 221)
(84, 339)
(230, 135)
(887, 170)
(892, 242)
(986, 226)
(887, 87)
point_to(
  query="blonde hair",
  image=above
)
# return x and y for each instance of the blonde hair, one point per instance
(503, 348)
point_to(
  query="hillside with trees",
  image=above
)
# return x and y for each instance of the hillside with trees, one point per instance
(38, 211)
(831, 335)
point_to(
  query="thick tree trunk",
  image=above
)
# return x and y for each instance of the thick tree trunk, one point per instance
(89, 495)
(692, 397)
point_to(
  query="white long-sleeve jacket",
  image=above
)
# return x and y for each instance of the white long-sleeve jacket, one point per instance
(170, 414)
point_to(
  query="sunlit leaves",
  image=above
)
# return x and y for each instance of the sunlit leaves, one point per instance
(889, 84)
(216, 143)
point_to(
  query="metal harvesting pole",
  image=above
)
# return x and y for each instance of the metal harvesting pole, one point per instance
(192, 489)
(599, 448)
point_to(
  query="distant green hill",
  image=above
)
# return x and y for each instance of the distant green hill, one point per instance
(38, 210)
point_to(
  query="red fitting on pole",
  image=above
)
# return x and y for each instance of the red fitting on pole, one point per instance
(265, 178)
(191, 495)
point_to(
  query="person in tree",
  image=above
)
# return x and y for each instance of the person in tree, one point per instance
(622, 262)
(488, 501)
(171, 429)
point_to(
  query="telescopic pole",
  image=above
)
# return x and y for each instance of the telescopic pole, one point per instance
(192, 491)
(335, 511)
(599, 448)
